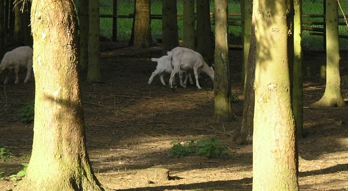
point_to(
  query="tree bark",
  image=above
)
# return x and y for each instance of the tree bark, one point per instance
(142, 29)
(170, 34)
(204, 38)
(246, 14)
(59, 159)
(18, 26)
(332, 96)
(297, 92)
(94, 71)
(84, 34)
(274, 138)
(249, 94)
(222, 80)
(188, 32)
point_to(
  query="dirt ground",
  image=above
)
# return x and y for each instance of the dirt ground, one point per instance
(131, 126)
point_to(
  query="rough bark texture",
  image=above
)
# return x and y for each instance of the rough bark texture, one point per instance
(332, 95)
(249, 94)
(204, 38)
(84, 34)
(170, 34)
(222, 80)
(59, 160)
(274, 138)
(297, 92)
(246, 12)
(142, 28)
(94, 71)
(188, 32)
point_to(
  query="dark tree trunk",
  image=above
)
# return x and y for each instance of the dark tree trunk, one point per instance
(170, 30)
(204, 37)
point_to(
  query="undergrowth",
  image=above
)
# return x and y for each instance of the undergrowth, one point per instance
(26, 113)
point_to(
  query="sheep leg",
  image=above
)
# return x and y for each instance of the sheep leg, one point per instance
(16, 73)
(152, 76)
(190, 78)
(6, 79)
(181, 82)
(29, 72)
(162, 79)
(172, 76)
(195, 70)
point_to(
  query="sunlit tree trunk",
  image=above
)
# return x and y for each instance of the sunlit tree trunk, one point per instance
(204, 38)
(274, 138)
(142, 28)
(59, 159)
(249, 94)
(188, 32)
(297, 93)
(222, 82)
(246, 14)
(170, 34)
(332, 95)
(94, 71)
(84, 33)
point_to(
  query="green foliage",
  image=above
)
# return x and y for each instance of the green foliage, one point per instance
(26, 113)
(21, 174)
(210, 148)
(2, 175)
(4, 153)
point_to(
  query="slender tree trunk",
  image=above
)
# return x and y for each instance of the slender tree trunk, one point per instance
(188, 32)
(332, 95)
(18, 26)
(170, 33)
(246, 15)
(59, 160)
(94, 73)
(142, 29)
(222, 82)
(297, 93)
(274, 138)
(2, 26)
(204, 38)
(249, 94)
(132, 36)
(84, 33)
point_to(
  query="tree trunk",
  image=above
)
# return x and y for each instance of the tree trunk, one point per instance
(246, 14)
(204, 37)
(170, 34)
(94, 73)
(188, 32)
(18, 26)
(142, 29)
(2, 26)
(297, 92)
(59, 160)
(222, 80)
(332, 95)
(274, 138)
(249, 94)
(84, 34)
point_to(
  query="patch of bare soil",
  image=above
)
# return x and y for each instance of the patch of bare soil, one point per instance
(131, 127)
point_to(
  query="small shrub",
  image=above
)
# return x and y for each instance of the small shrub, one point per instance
(4, 153)
(26, 113)
(210, 148)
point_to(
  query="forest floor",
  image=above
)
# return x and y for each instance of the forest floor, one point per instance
(131, 126)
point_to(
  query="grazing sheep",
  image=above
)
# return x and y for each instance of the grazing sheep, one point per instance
(164, 66)
(185, 59)
(15, 59)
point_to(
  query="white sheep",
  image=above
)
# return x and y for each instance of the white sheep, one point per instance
(15, 59)
(164, 66)
(185, 59)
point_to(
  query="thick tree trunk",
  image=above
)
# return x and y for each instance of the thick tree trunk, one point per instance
(274, 138)
(222, 82)
(188, 32)
(246, 14)
(84, 34)
(297, 92)
(204, 38)
(94, 73)
(59, 160)
(142, 29)
(249, 94)
(332, 95)
(170, 34)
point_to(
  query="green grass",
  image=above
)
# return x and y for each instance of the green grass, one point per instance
(126, 7)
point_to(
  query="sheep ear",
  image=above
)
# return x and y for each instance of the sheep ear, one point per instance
(154, 59)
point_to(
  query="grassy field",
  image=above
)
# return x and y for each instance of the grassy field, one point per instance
(126, 7)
